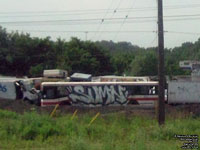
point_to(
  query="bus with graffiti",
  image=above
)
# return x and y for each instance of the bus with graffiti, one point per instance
(98, 93)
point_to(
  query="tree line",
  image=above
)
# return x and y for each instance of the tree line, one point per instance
(23, 55)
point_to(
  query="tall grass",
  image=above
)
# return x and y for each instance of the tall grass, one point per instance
(109, 132)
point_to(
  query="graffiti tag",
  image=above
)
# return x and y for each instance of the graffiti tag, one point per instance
(104, 95)
(3, 88)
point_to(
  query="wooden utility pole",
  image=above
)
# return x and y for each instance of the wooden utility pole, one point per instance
(161, 74)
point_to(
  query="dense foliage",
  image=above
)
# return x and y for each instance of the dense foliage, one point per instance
(111, 131)
(22, 55)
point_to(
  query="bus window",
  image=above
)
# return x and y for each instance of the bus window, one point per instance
(145, 90)
(141, 90)
(61, 92)
(50, 93)
(153, 90)
(140, 80)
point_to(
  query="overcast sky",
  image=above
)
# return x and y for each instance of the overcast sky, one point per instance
(97, 20)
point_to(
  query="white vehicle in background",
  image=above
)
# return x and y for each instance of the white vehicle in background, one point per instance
(29, 92)
(13, 88)
(55, 73)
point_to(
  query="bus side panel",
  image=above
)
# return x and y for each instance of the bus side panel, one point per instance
(100, 94)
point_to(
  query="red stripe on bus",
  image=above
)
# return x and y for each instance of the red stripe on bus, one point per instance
(143, 99)
(53, 103)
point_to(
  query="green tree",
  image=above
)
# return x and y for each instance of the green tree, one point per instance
(85, 57)
(121, 62)
(144, 64)
(36, 71)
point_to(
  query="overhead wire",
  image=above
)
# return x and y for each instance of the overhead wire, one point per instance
(145, 18)
(126, 16)
(110, 20)
(102, 21)
(91, 23)
(114, 12)
(154, 39)
(92, 31)
(96, 10)
(187, 33)
(76, 23)
(107, 32)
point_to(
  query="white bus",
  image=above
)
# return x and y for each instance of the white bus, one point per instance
(98, 93)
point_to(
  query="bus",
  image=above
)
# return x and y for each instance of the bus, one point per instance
(98, 93)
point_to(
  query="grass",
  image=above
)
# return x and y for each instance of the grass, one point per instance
(33, 131)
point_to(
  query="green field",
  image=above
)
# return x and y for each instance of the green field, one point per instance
(113, 131)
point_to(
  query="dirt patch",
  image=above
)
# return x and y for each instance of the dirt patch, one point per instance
(21, 106)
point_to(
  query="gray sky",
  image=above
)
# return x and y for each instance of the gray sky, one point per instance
(22, 14)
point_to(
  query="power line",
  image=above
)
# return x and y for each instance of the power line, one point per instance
(186, 15)
(187, 33)
(109, 32)
(115, 10)
(70, 20)
(102, 21)
(83, 31)
(96, 10)
(105, 19)
(118, 5)
(182, 19)
(123, 21)
(90, 23)
(76, 23)
(155, 39)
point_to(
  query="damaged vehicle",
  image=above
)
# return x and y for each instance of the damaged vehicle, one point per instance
(13, 89)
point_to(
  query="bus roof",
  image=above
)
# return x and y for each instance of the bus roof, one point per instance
(98, 83)
(125, 77)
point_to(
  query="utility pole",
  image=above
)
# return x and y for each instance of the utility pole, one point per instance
(161, 74)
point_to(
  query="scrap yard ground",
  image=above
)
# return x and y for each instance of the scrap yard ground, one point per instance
(21, 106)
